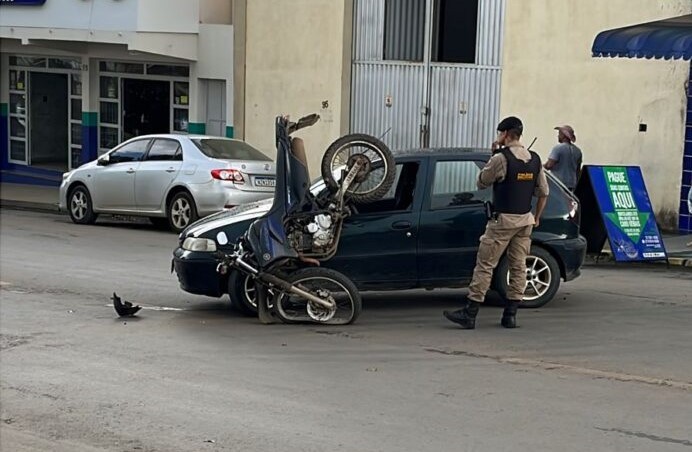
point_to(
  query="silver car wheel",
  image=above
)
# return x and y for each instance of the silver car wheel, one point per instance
(250, 292)
(180, 213)
(538, 278)
(78, 205)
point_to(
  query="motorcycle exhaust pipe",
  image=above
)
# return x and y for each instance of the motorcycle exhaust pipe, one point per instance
(284, 286)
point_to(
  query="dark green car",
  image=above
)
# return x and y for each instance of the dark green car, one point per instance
(423, 234)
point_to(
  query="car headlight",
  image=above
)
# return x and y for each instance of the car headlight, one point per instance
(199, 244)
(66, 175)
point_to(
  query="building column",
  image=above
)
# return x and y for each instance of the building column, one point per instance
(4, 111)
(230, 131)
(197, 123)
(90, 103)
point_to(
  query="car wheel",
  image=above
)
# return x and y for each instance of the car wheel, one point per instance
(80, 206)
(542, 278)
(181, 211)
(241, 290)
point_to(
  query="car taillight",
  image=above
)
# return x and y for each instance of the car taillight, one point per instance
(228, 174)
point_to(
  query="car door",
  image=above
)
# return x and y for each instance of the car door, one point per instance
(378, 244)
(114, 184)
(452, 220)
(156, 173)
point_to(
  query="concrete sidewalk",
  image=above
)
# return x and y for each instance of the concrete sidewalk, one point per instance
(29, 197)
(45, 199)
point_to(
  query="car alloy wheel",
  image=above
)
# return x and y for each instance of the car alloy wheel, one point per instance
(250, 292)
(181, 212)
(538, 278)
(79, 205)
(542, 278)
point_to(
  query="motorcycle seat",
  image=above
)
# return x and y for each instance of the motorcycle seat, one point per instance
(298, 151)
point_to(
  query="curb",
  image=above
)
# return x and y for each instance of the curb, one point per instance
(607, 257)
(27, 205)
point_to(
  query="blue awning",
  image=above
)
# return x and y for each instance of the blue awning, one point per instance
(669, 38)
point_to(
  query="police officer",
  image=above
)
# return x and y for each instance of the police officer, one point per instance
(516, 176)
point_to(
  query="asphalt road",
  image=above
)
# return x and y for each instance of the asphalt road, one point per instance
(606, 366)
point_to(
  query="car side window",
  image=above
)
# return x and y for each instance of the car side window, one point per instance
(454, 184)
(400, 196)
(130, 152)
(165, 150)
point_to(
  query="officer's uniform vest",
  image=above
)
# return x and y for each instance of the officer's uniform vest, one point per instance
(513, 195)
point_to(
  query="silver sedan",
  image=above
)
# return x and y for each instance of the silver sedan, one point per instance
(172, 179)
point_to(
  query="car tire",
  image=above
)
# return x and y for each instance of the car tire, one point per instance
(80, 207)
(181, 211)
(545, 278)
(241, 288)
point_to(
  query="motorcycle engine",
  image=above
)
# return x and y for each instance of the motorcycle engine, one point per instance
(320, 228)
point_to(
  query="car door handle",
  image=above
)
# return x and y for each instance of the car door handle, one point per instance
(170, 170)
(130, 170)
(401, 225)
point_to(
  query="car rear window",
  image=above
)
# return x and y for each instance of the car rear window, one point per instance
(229, 149)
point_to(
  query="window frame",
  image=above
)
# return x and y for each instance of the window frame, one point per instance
(127, 143)
(178, 151)
(478, 161)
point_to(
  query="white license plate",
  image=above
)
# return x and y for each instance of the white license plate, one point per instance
(265, 182)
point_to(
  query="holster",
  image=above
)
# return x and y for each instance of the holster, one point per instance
(490, 213)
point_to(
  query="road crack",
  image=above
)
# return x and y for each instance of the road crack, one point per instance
(662, 439)
(551, 366)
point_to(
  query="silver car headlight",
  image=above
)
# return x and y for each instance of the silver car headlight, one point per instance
(199, 244)
(66, 175)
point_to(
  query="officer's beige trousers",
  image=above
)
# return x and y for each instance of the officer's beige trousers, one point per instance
(517, 242)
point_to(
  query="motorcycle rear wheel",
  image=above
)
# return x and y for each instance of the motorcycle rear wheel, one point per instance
(375, 180)
(326, 284)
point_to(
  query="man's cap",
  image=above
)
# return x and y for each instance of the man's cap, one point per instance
(567, 131)
(510, 123)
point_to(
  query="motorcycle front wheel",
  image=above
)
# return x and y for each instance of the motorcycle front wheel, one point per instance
(378, 167)
(327, 284)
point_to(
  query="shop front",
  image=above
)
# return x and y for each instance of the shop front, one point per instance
(55, 121)
(141, 98)
(669, 39)
(45, 112)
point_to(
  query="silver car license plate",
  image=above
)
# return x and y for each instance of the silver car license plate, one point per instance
(265, 182)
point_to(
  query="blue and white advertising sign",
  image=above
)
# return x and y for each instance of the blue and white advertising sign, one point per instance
(627, 214)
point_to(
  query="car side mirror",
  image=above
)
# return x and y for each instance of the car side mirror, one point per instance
(103, 161)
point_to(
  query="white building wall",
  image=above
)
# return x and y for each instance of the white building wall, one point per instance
(216, 12)
(550, 78)
(83, 14)
(297, 62)
(166, 16)
(216, 61)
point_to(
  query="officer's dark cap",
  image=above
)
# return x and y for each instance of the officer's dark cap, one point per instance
(511, 123)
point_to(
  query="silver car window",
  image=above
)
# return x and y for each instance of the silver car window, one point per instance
(164, 149)
(129, 152)
(229, 149)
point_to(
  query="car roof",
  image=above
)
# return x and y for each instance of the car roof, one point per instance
(469, 153)
(181, 135)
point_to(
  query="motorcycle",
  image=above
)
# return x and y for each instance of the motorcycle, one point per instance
(283, 249)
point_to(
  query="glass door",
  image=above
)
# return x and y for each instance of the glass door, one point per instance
(18, 117)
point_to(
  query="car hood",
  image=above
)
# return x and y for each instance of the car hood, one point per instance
(237, 214)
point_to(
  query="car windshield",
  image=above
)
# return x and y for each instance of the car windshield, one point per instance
(228, 149)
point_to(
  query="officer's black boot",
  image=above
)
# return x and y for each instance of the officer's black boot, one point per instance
(466, 316)
(509, 315)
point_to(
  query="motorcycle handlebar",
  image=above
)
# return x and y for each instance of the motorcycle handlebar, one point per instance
(305, 121)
